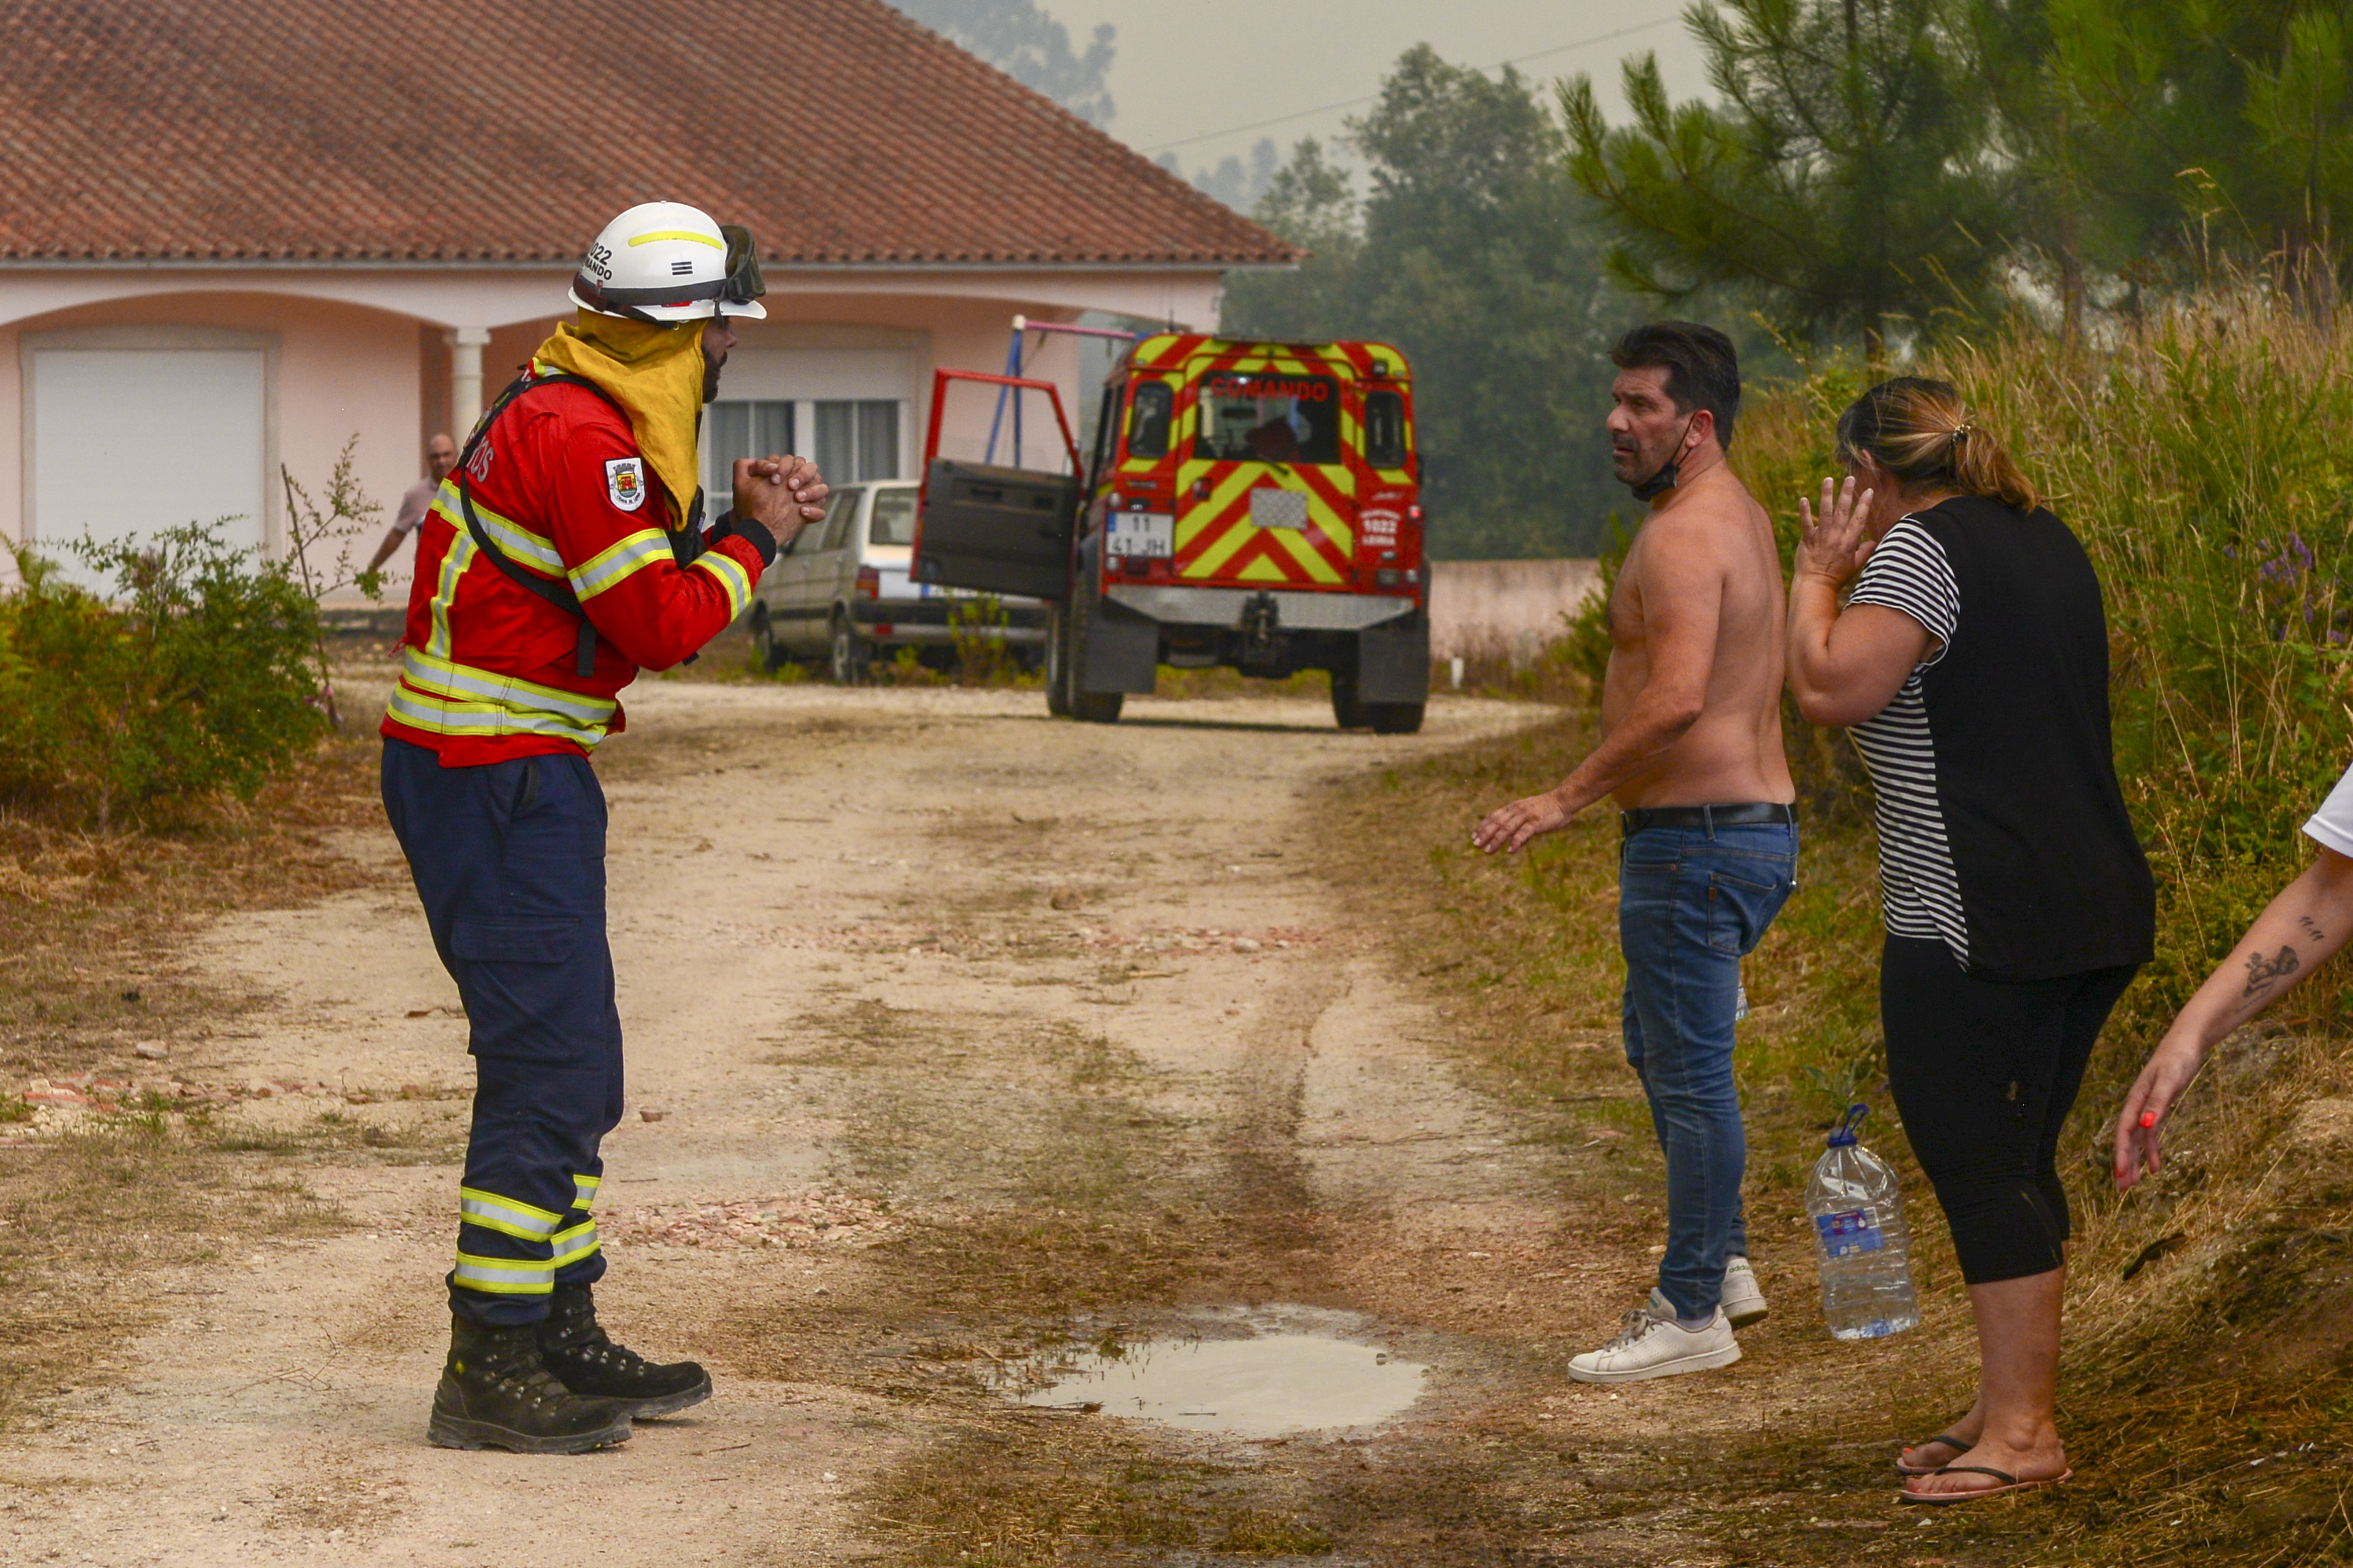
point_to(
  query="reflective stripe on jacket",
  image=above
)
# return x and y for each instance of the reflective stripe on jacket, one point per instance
(488, 670)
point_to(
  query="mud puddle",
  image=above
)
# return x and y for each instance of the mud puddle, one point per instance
(1269, 1373)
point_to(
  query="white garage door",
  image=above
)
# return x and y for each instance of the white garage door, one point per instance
(130, 441)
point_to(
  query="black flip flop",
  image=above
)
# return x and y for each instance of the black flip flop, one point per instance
(1947, 1438)
(2009, 1483)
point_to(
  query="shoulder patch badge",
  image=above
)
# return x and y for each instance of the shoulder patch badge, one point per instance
(624, 482)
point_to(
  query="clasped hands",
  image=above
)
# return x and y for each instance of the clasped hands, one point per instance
(782, 495)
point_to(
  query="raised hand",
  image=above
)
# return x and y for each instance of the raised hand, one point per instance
(1832, 545)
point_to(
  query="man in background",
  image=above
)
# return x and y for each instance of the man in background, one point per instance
(441, 457)
(1690, 750)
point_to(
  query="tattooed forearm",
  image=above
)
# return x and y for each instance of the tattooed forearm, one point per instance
(2311, 928)
(2262, 973)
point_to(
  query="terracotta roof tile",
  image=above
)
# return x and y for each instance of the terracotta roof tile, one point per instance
(473, 131)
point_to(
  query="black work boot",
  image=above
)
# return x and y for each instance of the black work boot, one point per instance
(496, 1392)
(578, 1350)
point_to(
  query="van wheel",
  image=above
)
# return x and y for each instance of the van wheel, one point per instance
(848, 661)
(1086, 707)
(1347, 711)
(1393, 718)
(1058, 662)
(763, 641)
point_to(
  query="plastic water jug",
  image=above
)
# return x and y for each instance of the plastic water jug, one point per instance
(1861, 1242)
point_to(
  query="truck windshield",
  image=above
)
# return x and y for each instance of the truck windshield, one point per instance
(1269, 417)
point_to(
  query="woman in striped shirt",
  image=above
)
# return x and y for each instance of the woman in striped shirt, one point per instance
(1970, 660)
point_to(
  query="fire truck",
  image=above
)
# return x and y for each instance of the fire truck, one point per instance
(1254, 506)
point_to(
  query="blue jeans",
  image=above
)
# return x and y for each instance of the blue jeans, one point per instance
(1690, 904)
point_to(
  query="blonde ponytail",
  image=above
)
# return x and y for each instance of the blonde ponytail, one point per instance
(1918, 431)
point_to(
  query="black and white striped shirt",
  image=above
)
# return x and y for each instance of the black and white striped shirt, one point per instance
(2003, 834)
(1920, 890)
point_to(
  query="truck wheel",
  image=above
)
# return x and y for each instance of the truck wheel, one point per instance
(763, 640)
(1393, 718)
(1058, 661)
(1087, 707)
(848, 664)
(1347, 711)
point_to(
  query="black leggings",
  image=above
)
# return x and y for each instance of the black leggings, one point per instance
(1984, 1073)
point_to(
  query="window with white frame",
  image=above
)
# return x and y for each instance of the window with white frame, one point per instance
(746, 429)
(856, 439)
(837, 395)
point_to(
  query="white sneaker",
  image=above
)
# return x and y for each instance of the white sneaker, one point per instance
(1744, 1303)
(1651, 1346)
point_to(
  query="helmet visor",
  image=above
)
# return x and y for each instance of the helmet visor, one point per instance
(743, 283)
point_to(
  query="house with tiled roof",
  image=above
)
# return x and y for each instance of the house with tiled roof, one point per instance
(237, 232)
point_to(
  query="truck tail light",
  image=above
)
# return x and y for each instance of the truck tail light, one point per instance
(1413, 513)
(869, 583)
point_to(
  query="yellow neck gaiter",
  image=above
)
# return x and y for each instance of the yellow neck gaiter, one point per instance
(654, 371)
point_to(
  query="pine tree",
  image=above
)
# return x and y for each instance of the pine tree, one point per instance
(1845, 172)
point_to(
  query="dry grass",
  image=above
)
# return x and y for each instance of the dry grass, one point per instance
(2205, 1392)
(1035, 1488)
(91, 931)
(91, 924)
(85, 1219)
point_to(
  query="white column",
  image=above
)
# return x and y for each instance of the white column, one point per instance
(466, 346)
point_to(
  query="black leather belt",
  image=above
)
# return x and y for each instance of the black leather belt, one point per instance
(1704, 818)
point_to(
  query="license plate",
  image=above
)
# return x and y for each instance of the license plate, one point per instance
(1147, 534)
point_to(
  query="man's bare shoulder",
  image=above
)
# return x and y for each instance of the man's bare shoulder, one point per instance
(1710, 501)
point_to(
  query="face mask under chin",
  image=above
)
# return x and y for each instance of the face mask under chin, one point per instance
(1658, 484)
(1663, 478)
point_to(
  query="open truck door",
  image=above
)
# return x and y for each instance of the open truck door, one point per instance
(993, 528)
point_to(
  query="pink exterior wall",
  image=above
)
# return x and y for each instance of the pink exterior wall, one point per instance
(363, 352)
(342, 371)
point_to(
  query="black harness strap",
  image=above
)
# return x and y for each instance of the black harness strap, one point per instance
(559, 592)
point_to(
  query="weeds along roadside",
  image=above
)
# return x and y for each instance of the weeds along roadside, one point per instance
(93, 928)
(2205, 1389)
(2199, 458)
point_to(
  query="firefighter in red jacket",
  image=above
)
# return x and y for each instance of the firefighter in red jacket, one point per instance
(563, 554)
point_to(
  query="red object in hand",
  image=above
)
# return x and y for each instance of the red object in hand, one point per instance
(2149, 1118)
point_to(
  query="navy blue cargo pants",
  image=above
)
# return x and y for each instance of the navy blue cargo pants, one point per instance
(508, 859)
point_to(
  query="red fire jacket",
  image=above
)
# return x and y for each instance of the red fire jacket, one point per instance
(488, 670)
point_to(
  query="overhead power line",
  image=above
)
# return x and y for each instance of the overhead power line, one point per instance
(1353, 102)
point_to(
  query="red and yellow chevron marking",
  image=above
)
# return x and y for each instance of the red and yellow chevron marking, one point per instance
(1169, 351)
(1216, 538)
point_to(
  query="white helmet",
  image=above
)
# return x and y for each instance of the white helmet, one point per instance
(666, 261)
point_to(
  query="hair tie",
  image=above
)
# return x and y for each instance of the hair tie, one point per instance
(1960, 433)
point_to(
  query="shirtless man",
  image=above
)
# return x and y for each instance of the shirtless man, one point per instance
(1690, 750)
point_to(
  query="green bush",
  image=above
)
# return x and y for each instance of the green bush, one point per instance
(194, 680)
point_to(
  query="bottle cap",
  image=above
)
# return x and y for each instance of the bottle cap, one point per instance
(1843, 1137)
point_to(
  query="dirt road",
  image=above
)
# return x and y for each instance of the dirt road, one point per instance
(954, 1032)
